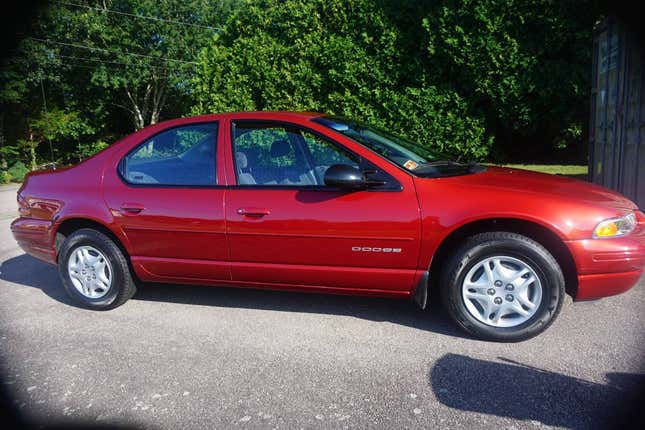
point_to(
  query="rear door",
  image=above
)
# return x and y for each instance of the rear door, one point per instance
(168, 198)
(286, 227)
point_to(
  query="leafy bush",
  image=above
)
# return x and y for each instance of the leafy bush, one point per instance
(447, 73)
(86, 150)
(437, 119)
(328, 56)
(524, 64)
(8, 154)
(18, 171)
(5, 177)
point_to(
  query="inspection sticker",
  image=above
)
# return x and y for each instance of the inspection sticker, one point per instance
(410, 165)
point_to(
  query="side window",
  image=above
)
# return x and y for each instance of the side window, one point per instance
(324, 154)
(267, 154)
(259, 142)
(178, 156)
(275, 154)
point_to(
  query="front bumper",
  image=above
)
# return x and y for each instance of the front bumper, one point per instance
(609, 266)
(34, 236)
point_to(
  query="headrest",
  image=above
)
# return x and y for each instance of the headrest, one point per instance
(279, 148)
(241, 160)
(251, 152)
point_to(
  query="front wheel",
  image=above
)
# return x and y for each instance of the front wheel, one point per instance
(94, 271)
(503, 286)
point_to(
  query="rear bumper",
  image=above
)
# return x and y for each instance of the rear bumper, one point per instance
(608, 266)
(34, 236)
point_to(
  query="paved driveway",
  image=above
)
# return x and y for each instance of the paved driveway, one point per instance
(200, 357)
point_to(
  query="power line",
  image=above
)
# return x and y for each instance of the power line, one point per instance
(113, 67)
(134, 15)
(110, 64)
(92, 48)
(96, 60)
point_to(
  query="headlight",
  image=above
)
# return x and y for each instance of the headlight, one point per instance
(615, 227)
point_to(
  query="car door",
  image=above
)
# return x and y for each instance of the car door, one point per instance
(167, 196)
(286, 227)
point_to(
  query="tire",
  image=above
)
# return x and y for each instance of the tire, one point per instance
(87, 245)
(491, 312)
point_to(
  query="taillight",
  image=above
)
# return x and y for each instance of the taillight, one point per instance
(23, 205)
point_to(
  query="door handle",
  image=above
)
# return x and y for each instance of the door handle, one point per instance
(253, 212)
(132, 208)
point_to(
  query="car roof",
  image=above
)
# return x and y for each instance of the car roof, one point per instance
(276, 115)
(258, 115)
(253, 115)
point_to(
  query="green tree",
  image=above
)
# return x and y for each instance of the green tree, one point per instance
(64, 128)
(119, 65)
(138, 54)
(523, 64)
(507, 79)
(450, 73)
(332, 56)
(12, 88)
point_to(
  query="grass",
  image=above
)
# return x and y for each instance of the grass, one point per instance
(571, 170)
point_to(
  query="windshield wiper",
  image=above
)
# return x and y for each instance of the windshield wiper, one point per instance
(442, 168)
(442, 163)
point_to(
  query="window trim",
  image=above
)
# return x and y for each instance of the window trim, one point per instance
(395, 184)
(121, 164)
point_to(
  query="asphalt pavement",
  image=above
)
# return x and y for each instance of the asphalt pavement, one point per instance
(201, 357)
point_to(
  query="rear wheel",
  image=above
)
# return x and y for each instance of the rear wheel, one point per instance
(94, 271)
(503, 286)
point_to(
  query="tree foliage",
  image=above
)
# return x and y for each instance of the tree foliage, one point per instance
(144, 62)
(453, 74)
(16, 172)
(57, 125)
(524, 65)
(334, 57)
(485, 79)
(109, 67)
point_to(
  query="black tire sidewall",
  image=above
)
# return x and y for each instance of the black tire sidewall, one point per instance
(110, 251)
(511, 245)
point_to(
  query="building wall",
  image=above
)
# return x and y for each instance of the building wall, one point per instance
(617, 124)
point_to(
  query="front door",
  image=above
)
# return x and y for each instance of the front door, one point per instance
(168, 203)
(286, 227)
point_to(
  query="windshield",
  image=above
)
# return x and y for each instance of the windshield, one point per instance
(401, 152)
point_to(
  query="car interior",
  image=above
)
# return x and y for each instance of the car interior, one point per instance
(264, 156)
(281, 157)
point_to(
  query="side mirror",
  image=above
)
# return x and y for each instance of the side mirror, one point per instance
(345, 176)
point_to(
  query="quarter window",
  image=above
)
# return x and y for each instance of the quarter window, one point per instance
(178, 156)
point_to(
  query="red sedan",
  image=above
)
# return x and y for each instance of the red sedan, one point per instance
(309, 202)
